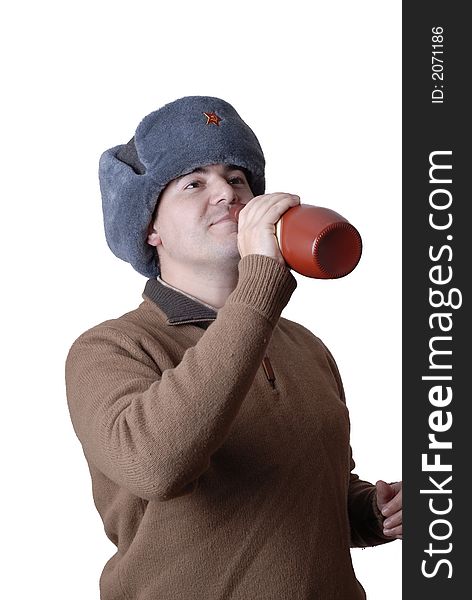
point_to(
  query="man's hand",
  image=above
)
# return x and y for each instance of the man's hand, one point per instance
(389, 501)
(256, 224)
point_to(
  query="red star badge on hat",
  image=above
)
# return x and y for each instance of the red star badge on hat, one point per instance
(212, 118)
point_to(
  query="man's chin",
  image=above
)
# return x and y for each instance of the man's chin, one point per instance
(231, 257)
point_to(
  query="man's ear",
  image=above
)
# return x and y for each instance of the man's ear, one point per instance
(153, 237)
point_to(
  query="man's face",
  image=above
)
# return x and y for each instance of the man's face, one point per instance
(188, 230)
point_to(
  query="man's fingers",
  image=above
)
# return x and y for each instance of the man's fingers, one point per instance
(256, 224)
(393, 506)
(396, 532)
(268, 208)
(393, 521)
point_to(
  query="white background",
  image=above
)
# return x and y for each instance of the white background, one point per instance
(319, 82)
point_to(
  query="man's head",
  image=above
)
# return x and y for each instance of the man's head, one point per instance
(191, 133)
(191, 229)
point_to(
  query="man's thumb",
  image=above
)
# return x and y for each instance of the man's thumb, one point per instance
(384, 493)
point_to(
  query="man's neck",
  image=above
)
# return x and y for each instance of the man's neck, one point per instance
(211, 288)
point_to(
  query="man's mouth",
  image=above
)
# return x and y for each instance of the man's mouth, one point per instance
(224, 220)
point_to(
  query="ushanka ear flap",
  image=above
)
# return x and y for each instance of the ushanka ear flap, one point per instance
(128, 202)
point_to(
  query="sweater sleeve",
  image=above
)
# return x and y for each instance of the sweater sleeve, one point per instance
(154, 432)
(365, 517)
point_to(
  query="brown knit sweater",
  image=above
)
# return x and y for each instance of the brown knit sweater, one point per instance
(219, 476)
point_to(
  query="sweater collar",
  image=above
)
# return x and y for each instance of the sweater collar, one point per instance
(178, 307)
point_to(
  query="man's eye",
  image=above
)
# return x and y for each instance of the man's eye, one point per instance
(192, 185)
(236, 179)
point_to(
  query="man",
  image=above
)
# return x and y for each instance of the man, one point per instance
(215, 431)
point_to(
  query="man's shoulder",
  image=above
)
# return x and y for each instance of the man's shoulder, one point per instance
(130, 327)
(290, 327)
(306, 340)
(303, 337)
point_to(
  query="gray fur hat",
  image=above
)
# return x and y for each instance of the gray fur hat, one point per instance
(176, 139)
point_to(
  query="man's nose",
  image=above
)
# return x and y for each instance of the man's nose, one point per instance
(223, 192)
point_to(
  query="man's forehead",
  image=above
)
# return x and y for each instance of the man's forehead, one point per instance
(206, 169)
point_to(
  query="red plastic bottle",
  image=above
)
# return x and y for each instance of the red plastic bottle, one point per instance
(316, 241)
